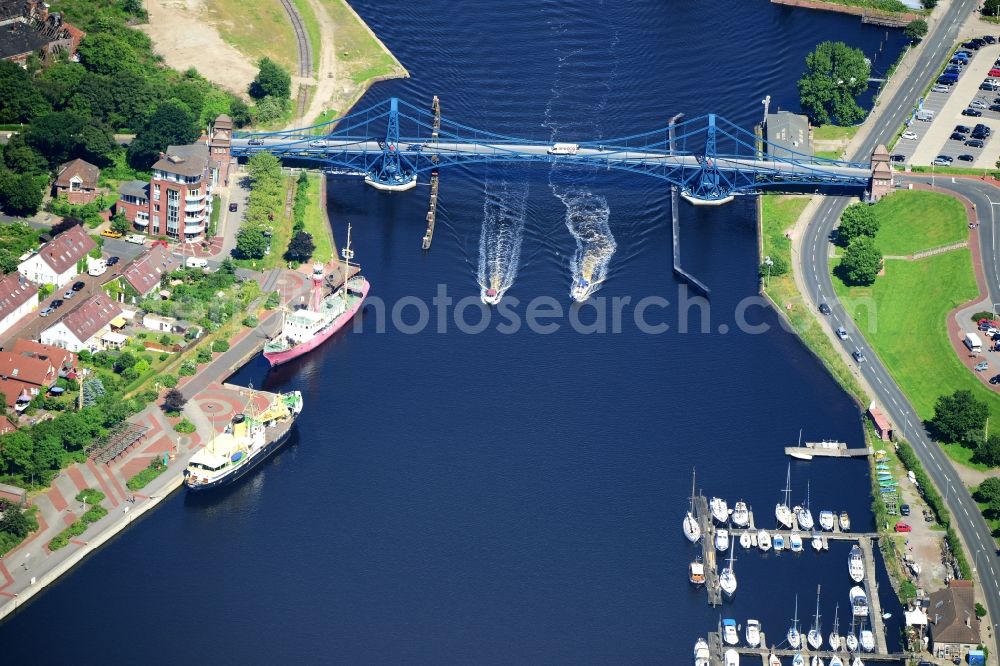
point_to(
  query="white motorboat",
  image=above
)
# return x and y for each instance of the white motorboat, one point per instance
(815, 635)
(691, 528)
(817, 542)
(859, 601)
(826, 521)
(719, 508)
(857, 662)
(773, 660)
(702, 655)
(794, 637)
(779, 543)
(798, 660)
(741, 515)
(727, 579)
(753, 633)
(732, 657)
(803, 514)
(845, 522)
(816, 661)
(795, 542)
(722, 539)
(729, 634)
(781, 510)
(763, 540)
(867, 640)
(856, 564)
(836, 661)
(696, 571)
(834, 638)
(745, 540)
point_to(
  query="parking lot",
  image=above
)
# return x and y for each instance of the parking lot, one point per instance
(938, 137)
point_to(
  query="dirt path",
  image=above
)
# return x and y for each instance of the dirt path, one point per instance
(181, 35)
(326, 68)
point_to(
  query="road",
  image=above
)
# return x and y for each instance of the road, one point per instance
(815, 270)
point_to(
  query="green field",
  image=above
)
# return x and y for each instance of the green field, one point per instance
(914, 221)
(257, 29)
(316, 223)
(361, 56)
(833, 132)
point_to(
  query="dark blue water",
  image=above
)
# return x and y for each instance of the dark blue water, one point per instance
(498, 497)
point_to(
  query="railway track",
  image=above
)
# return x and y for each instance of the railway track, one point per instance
(301, 38)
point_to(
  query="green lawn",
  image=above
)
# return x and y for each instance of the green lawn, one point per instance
(833, 132)
(361, 56)
(257, 29)
(316, 223)
(913, 221)
(828, 154)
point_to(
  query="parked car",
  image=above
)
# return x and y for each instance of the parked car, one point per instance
(940, 88)
(966, 158)
(995, 379)
(56, 303)
(841, 332)
(989, 39)
(955, 136)
(903, 527)
(982, 366)
(904, 509)
(978, 104)
(113, 260)
(898, 157)
(47, 311)
(989, 87)
(909, 135)
(994, 107)
(858, 356)
(941, 160)
(974, 113)
(974, 143)
(962, 129)
(77, 286)
(994, 72)
(111, 233)
(824, 308)
(233, 207)
(69, 294)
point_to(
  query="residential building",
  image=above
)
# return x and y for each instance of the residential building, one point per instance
(83, 327)
(18, 297)
(787, 135)
(954, 627)
(29, 370)
(56, 262)
(177, 201)
(27, 28)
(77, 181)
(141, 278)
(64, 361)
(159, 323)
(5, 427)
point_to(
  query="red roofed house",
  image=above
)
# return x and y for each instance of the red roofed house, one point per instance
(18, 297)
(64, 361)
(83, 327)
(6, 426)
(77, 181)
(141, 278)
(30, 369)
(55, 262)
(883, 427)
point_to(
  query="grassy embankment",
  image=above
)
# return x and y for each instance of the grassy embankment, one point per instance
(258, 29)
(316, 222)
(894, 6)
(903, 314)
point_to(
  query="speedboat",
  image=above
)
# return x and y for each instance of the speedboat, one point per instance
(722, 539)
(794, 637)
(719, 508)
(781, 511)
(795, 542)
(741, 515)
(702, 655)
(729, 634)
(727, 579)
(763, 540)
(867, 640)
(834, 638)
(696, 571)
(779, 543)
(815, 635)
(859, 601)
(691, 528)
(817, 542)
(856, 564)
(745, 540)
(753, 633)
(845, 522)
(732, 657)
(826, 521)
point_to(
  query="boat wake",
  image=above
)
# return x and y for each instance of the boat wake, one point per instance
(500, 241)
(587, 217)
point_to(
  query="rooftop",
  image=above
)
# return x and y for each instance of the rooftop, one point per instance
(93, 314)
(14, 292)
(62, 252)
(135, 188)
(953, 615)
(85, 171)
(189, 160)
(145, 272)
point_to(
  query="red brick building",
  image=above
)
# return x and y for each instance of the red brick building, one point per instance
(77, 181)
(27, 27)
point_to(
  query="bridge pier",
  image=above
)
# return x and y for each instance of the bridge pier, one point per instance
(675, 217)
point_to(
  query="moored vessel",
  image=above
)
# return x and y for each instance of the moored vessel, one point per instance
(856, 564)
(727, 579)
(732, 657)
(859, 601)
(764, 540)
(845, 522)
(826, 520)
(702, 655)
(753, 633)
(793, 635)
(729, 634)
(834, 638)
(815, 635)
(696, 571)
(781, 511)
(692, 530)
(720, 510)
(741, 514)
(722, 539)
(795, 542)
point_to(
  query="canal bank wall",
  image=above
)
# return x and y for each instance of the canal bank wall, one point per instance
(889, 19)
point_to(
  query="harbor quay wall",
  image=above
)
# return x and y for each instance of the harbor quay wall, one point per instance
(848, 9)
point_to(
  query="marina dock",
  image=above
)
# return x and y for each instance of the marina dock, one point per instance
(718, 649)
(810, 450)
(871, 589)
(708, 550)
(433, 204)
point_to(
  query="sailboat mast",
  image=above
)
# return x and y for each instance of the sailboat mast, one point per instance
(816, 619)
(348, 254)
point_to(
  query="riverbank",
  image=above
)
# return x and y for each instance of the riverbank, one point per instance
(880, 12)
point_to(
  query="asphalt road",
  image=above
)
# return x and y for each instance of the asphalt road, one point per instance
(816, 273)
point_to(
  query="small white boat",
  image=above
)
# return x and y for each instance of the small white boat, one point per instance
(845, 522)
(741, 515)
(867, 640)
(795, 542)
(692, 530)
(836, 661)
(856, 564)
(886, 615)
(722, 539)
(753, 633)
(732, 657)
(779, 543)
(834, 638)
(793, 635)
(719, 508)
(817, 542)
(816, 661)
(815, 635)
(859, 601)
(696, 571)
(826, 520)
(729, 634)
(702, 655)
(851, 640)
(727, 579)
(798, 660)
(773, 660)
(745, 540)
(803, 514)
(763, 540)
(857, 662)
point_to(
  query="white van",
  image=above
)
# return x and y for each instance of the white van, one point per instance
(973, 342)
(138, 239)
(196, 262)
(925, 115)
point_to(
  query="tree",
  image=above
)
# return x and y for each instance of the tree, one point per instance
(263, 165)
(251, 242)
(301, 247)
(959, 417)
(916, 29)
(20, 194)
(989, 491)
(14, 521)
(272, 80)
(170, 124)
(120, 223)
(991, 8)
(778, 267)
(988, 451)
(56, 135)
(858, 220)
(15, 451)
(174, 401)
(20, 100)
(240, 112)
(8, 264)
(835, 75)
(861, 262)
(22, 158)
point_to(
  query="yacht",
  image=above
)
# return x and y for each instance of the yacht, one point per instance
(763, 540)
(803, 514)
(696, 571)
(773, 660)
(794, 637)
(702, 655)
(722, 539)
(741, 515)
(867, 639)
(691, 528)
(729, 634)
(753, 633)
(836, 661)
(845, 522)
(851, 640)
(732, 657)
(781, 510)
(815, 635)
(859, 601)
(720, 510)
(826, 520)
(727, 579)
(817, 542)
(779, 543)
(745, 540)
(856, 564)
(835, 634)
(795, 542)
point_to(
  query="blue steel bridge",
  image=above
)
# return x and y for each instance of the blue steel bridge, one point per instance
(708, 158)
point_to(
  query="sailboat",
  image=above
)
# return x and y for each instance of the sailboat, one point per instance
(691, 528)
(781, 510)
(803, 514)
(773, 660)
(836, 661)
(835, 634)
(852, 639)
(727, 579)
(816, 660)
(815, 636)
(794, 637)
(798, 660)
(857, 662)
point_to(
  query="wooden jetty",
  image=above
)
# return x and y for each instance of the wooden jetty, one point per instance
(708, 550)
(717, 650)
(810, 450)
(871, 589)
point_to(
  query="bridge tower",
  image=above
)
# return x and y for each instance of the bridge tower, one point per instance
(706, 189)
(881, 173)
(389, 172)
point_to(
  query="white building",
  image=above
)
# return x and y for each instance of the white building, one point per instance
(84, 327)
(55, 262)
(159, 323)
(18, 297)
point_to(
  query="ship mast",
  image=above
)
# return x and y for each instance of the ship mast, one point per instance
(347, 253)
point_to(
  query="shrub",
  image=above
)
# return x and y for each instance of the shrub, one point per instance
(169, 380)
(220, 346)
(184, 426)
(187, 369)
(273, 300)
(142, 479)
(251, 321)
(164, 356)
(204, 355)
(90, 496)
